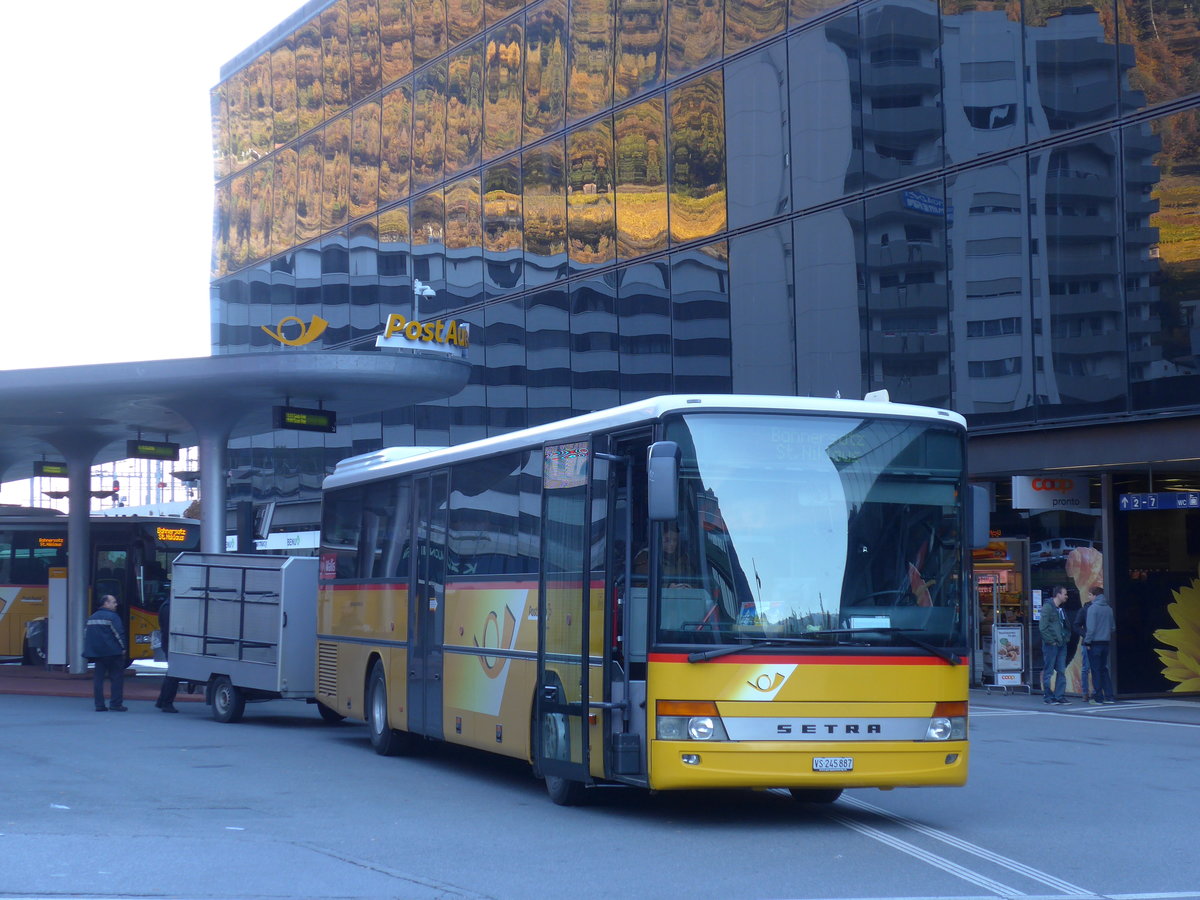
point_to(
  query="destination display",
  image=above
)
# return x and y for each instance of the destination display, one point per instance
(151, 450)
(49, 469)
(296, 418)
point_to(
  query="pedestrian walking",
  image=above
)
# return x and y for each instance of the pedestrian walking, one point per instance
(170, 685)
(104, 645)
(1055, 635)
(1100, 627)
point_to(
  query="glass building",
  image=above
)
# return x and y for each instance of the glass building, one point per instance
(988, 206)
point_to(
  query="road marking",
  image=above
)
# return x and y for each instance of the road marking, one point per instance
(991, 856)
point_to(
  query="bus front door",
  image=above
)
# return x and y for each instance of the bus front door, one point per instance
(427, 609)
(560, 732)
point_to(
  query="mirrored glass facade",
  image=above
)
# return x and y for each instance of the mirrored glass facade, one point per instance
(977, 204)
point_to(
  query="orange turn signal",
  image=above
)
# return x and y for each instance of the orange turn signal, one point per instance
(686, 708)
(957, 708)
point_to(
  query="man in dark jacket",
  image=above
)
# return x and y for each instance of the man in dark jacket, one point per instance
(1100, 627)
(170, 685)
(1080, 628)
(104, 645)
(1055, 634)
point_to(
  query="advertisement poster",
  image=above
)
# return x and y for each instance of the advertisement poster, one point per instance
(1008, 658)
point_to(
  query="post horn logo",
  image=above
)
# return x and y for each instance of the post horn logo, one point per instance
(765, 683)
(308, 333)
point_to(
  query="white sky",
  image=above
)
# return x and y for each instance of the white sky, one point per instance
(108, 219)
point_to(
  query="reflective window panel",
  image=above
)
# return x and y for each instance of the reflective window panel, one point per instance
(310, 81)
(239, 219)
(222, 153)
(641, 171)
(1164, 39)
(395, 39)
(644, 329)
(335, 289)
(502, 93)
(364, 48)
(311, 161)
(1071, 58)
(756, 131)
(464, 242)
(831, 342)
(464, 20)
(697, 158)
(222, 257)
(591, 210)
(503, 225)
(545, 68)
(1162, 259)
(641, 47)
(506, 346)
(237, 96)
(826, 111)
(429, 30)
(429, 126)
(364, 159)
(749, 21)
(283, 91)
(985, 88)
(429, 254)
(990, 292)
(469, 412)
(1075, 227)
(335, 192)
(464, 109)
(335, 57)
(694, 34)
(544, 176)
(259, 109)
(594, 343)
(901, 89)
(801, 11)
(590, 58)
(495, 10)
(366, 318)
(548, 339)
(261, 177)
(394, 262)
(761, 310)
(395, 153)
(908, 311)
(700, 319)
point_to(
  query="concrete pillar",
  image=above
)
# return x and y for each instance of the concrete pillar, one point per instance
(212, 439)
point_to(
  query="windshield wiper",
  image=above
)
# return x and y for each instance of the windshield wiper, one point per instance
(902, 633)
(702, 655)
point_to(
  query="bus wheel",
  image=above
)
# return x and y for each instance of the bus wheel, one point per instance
(386, 741)
(563, 791)
(228, 702)
(815, 795)
(332, 716)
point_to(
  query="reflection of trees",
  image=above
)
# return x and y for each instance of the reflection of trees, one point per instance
(284, 190)
(464, 18)
(640, 134)
(545, 201)
(464, 108)
(335, 58)
(395, 153)
(502, 90)
(364, 159)
(463, 214)
(310, 90)
(591, 57)
(697, 159)
(590, 211)
(694, 38)
(545, 69)
(749, 21)
(308, 195)
(503, 222)
(641, 39)
(260, 211)
(429, 125)
(429, 29)
(364, 47)
(395, 39)
(283, 92)
(335, 193)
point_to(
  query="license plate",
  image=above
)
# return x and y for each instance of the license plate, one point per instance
(833, 763)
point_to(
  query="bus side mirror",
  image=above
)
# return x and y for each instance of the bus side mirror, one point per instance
(978, 508)
(662, 481)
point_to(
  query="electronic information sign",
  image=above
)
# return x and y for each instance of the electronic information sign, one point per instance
(295, 418)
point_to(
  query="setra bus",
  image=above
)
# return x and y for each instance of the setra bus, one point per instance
(683, 592)
(130, 558)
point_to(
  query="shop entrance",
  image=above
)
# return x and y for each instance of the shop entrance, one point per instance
(1004, 609)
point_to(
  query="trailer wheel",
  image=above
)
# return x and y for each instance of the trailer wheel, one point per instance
(330, 715)
(228, 702)
(815, 795)
(386, 740)
(564, 791)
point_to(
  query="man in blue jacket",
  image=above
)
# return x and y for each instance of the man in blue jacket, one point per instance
(104, 645)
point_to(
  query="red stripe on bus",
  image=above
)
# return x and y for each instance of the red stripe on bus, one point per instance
(763, 659)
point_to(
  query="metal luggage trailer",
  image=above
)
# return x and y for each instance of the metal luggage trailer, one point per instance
(244, 625)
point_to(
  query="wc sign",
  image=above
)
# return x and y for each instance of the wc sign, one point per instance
(1050, 492)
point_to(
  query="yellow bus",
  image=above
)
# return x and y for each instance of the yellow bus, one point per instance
(130, 558)
(684, 592)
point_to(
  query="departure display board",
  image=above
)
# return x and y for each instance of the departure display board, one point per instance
(49, 469)
(151, 450)
(295, 418)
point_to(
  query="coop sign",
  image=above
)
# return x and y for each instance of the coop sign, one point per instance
(1047, 492)
(447, 336)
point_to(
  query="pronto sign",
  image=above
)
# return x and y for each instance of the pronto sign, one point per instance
(1050, 492)
(439, 335)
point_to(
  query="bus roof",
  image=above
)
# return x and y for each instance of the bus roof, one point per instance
(395, 460)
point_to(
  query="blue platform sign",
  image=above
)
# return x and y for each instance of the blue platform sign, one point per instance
(1160, 501)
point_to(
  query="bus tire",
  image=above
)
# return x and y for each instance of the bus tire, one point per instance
(330, 715)
(387, 741)
(815, 795)
(564, 791)
(228, 702)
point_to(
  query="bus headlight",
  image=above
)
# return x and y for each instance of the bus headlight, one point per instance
(688, 721)
(948, 723)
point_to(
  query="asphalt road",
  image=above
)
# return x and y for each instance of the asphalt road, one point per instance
(1072, 802)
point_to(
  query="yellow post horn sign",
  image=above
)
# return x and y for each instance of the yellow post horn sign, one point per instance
(308, 333)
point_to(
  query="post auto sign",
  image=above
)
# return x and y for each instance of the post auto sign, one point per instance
(1050, 492)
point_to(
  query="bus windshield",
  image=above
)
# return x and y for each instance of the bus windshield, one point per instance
(813, 529)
